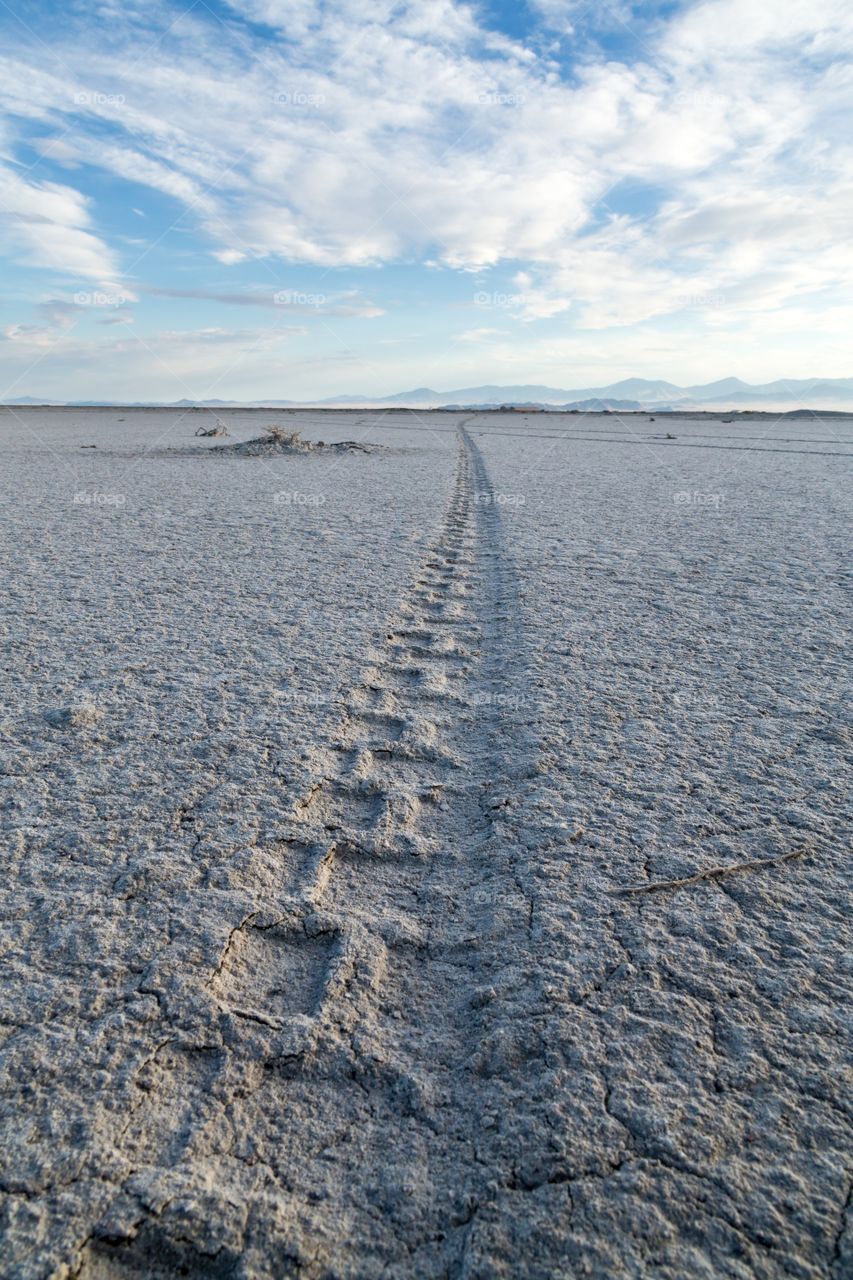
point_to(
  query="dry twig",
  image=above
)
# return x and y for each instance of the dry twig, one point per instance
(713, 873)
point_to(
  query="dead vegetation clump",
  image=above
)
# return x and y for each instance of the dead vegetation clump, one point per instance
(219, 429)
(277, 440)
(274, 440)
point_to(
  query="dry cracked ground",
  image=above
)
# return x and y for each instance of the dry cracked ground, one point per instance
(343, 797)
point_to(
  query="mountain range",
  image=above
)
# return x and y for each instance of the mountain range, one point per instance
(629, 394)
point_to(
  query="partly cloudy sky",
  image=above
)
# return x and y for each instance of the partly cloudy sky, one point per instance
(279, 199)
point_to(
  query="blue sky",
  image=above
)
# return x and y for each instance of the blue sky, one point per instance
(277, 199)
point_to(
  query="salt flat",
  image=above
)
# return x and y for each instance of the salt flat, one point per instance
(324, 776)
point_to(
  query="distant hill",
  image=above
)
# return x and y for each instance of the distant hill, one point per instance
(636, 393)
(630, 394)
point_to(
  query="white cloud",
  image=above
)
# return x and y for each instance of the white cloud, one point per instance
(534, 301)
(48, 224)
(169, 364)
(716, 31)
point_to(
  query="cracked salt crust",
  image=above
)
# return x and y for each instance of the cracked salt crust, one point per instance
(313, 963)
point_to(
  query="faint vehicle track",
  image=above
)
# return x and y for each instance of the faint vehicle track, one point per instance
(360, 1003)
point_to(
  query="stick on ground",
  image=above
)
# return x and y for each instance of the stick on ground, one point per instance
(713, 873)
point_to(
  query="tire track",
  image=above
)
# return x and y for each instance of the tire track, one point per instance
(360, 1002)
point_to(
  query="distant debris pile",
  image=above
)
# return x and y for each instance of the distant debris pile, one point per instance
(275, 440)
(278, 440)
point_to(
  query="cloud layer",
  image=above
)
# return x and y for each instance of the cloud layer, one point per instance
(707, 159)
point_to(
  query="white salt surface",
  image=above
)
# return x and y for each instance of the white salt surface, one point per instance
(320, 776)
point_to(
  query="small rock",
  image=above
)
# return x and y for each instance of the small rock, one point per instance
(81, 715)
